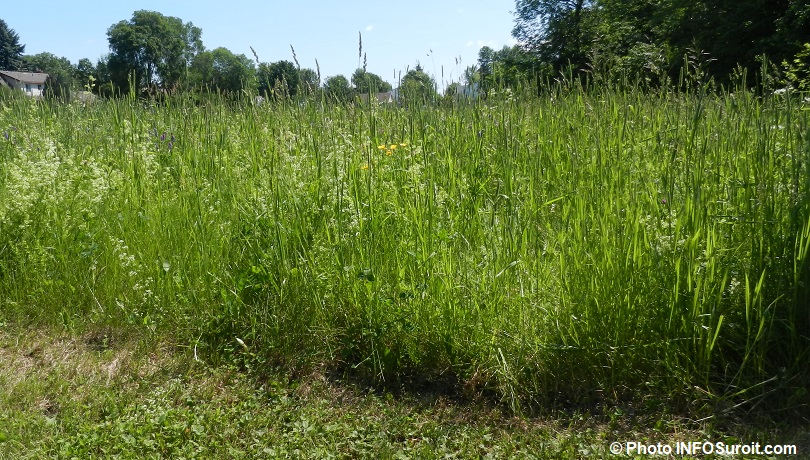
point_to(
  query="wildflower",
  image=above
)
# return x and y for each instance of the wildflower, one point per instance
(663, 201)
(381, 147)
(163, 136)
(393, 146)
(364, 167)
(403, 144)
(5, 134)
(171, 144)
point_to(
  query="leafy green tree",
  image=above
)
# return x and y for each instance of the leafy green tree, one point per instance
(156, 48)
(649, 39)
(338, 88)
(279, 78)
(309, 81)
(509, 67)
(102, 79)
(10, 49)
(84, 71)
(367, 82)
(797, 70)
(417, 86)
(471, 75)
(557, 31)
(61, 73)
(222, 70)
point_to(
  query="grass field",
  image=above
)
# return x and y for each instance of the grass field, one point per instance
(583, 248)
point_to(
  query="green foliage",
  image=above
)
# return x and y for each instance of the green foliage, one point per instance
(507, 68)
(531, 249)
(84, 71)
(221, 70)
(337, 88)
(417, 87)
(11, 51)
(647, 41)
(61, 74)
(368, 83)
(280, 79)
(156, 49)
(309, 81)
(558, 31)
(797, 71)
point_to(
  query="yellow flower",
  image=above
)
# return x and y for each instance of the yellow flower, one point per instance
(403, 144)
(393, 146)
(364, 167)
(381, 147)
(389, 152)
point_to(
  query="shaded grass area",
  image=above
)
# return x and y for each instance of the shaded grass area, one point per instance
(103, 394)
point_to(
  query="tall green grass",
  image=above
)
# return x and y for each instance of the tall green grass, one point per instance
(588, 245)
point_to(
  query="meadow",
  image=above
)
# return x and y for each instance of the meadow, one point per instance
(584, 247)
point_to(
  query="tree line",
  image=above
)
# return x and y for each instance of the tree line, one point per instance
(654, 42)
(155, 54)
(651, 42)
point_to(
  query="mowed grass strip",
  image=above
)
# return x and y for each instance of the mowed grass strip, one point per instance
(100, 394)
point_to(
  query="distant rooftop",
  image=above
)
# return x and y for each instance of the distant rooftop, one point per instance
(26, 77)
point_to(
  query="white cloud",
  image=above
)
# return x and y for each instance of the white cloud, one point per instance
(469, 43)
(369, 27)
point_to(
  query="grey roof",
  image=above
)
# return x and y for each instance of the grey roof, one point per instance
(26, 77)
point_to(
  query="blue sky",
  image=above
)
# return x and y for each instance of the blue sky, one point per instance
(395, 34)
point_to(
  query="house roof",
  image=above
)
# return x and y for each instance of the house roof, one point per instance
(25, 77)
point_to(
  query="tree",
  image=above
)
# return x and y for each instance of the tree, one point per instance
(509, 67)
(309, 80)
(221, 69)
(156, 48)
(279, 78)
(85, 71)
(471, 75)
(556, 30)
(102, 79)
(417, 86)
(10, 49)
(338, 88)
(648, 40)
(61, 73)
(367, 82)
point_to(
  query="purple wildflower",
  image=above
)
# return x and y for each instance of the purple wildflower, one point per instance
(5, 134)
(663, 201)
(480, 133)
(171, 144)
(163, 136)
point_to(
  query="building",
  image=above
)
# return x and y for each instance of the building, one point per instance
(33, 84)
(389, 97)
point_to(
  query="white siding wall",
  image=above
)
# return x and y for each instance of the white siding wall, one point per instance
(30, 89)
